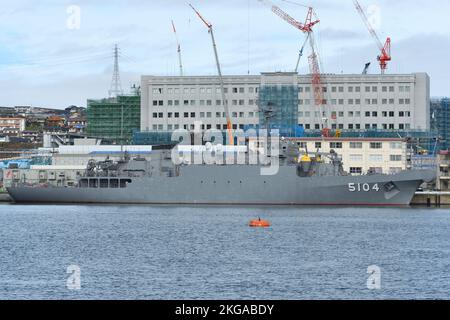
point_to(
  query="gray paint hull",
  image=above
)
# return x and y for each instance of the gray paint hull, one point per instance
(240, 185)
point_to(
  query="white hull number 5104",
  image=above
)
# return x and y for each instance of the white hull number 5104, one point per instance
(362, 187)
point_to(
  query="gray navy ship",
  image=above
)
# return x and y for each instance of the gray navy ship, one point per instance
(302, 179)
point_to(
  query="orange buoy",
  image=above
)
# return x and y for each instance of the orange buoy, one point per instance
(258, 223)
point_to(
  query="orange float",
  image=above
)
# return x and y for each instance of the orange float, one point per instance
(258, 223)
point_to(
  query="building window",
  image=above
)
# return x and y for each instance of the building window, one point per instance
(376, 145)
(335, 145)
(395, 170)
(396, 157)
(396, 145)
(356, 145)
(356, 157)
(155, 103)
(318, 145)
(376, 158)
(356, 170)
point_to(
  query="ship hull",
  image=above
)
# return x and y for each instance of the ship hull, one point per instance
(241, 185)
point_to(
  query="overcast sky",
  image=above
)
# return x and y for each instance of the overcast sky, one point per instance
(46, 60)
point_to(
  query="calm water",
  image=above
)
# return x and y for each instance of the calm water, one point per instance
(141, 252)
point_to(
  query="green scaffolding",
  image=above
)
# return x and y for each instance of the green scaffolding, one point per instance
(114, 119)
(278, 107)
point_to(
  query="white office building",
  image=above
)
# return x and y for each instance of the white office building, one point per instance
(351, 102)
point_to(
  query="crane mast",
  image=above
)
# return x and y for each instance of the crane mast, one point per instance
(313, 59)
(178, 49)
(219, 71)
(385, 55)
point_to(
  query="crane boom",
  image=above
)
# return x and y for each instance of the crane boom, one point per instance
(219, 71)
(316, 79)
(385, 49)
(304, 27)
(178, 49)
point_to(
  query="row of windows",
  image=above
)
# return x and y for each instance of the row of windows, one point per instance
(376, 157)
(241, 102)
(161, 115)
(205, 90)
(335, 102)
(352, 114)
(352, 145)
(170, 127)
(301, 102)
(359, 170)
(242, 90)
(351, 89)
(357, 126)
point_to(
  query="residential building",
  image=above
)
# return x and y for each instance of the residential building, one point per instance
(12, 126)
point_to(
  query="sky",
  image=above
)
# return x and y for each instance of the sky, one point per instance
(57, 53)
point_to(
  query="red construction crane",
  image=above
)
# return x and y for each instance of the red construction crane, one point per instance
(219, 71)
(314, 65)
(385, 49)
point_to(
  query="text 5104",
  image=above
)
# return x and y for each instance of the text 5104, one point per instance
(363, 187)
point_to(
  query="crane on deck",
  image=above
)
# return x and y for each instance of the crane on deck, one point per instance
(385, 55)
(178, 49)
(313, 59)
(219, 71)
